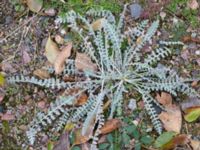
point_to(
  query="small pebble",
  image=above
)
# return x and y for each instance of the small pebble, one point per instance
(8, 20)
(50, 12)
(162, 15)
(132, 104)
(62, 31)
(136, 10)
(197, 52)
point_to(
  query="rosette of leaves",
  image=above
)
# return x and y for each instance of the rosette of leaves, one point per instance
(120, 68)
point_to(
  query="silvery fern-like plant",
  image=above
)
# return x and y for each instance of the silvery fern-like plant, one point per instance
(121, 67)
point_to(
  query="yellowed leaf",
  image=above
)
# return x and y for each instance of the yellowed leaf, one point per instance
(41, 73)
(2, 80)
(171, 119)
(69, 126)
(51, 50)
(181, 139)
(110, 126)
(35, 5)
(83, 62)
(192, 113)
(97, 25)
(61, 58)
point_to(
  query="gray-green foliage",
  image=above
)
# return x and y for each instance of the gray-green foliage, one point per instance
(119, 68)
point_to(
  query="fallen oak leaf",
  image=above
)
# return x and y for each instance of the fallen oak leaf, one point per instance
(51, 50)
(83, 62)
(61, 58)
(110, 126)
(41, 73)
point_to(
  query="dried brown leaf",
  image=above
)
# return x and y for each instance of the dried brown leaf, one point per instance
(83, 62)
(82, 99)
(164, 99)
(110, 126)
(51, 50)
(61, 58)
(171, 119)
(41, 73)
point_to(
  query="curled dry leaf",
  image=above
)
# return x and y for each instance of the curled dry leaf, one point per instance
(35, 5)
(83, 62)
(61, 58)
(41, 73)
(172, 119)
(51, 50)
(97, 25)
(110, 126)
